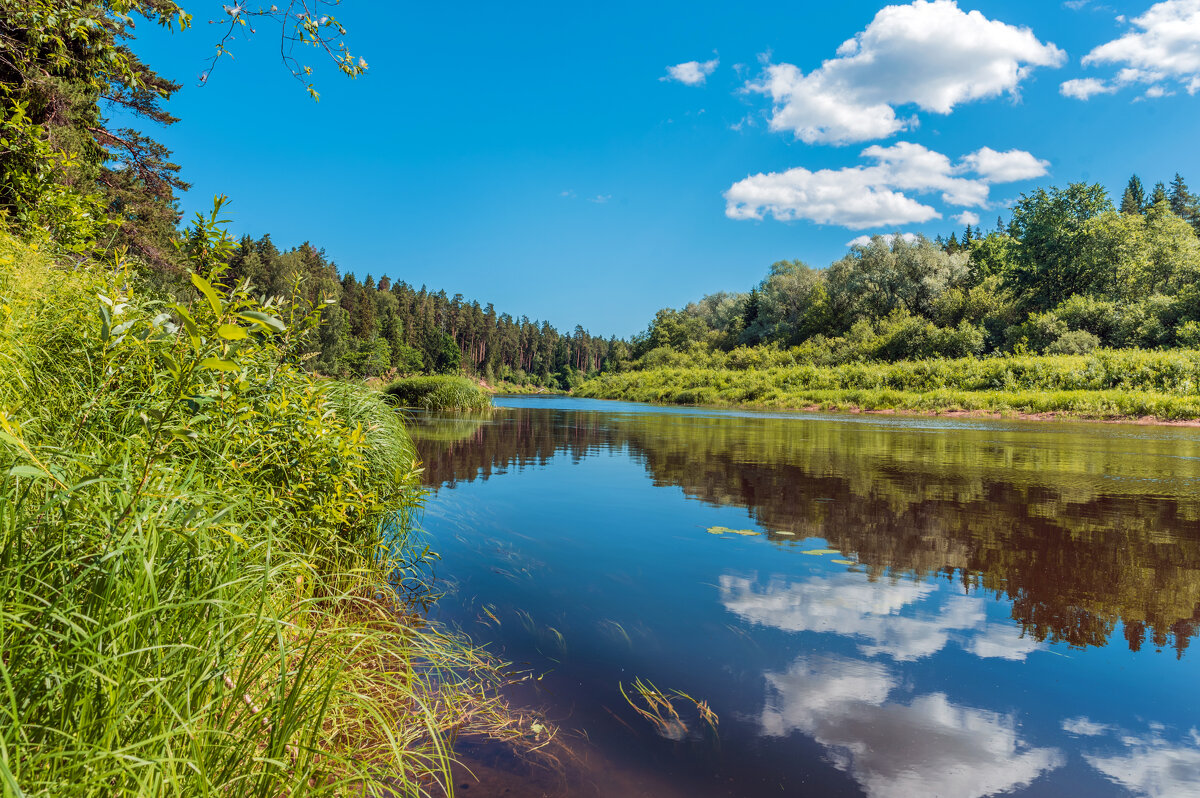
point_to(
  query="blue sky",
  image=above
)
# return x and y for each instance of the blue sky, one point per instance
(540, 155)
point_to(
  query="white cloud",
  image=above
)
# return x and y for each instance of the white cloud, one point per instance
(862, 197)
(967, 217)
(691, 73)
(600, 199)
(931, 55)
(1154, 767)
(1001, 641)
(1004, 167)
(1165, 44)
(1082, 727)
(901, 619)
(852, 605)
(888, 238)
(930, 746)
(1083, 88)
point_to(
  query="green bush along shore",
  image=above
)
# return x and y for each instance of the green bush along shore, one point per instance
(438, 393)
(1102, 384)
(203, 552)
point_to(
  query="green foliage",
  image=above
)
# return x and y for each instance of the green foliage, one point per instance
(1102, 384)
(1074, 342)
(1049, 225)
(198, 542)
(438, 393)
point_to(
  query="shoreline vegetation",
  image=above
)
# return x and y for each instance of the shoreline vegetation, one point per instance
(438, 393)
(210, 578)
(1104, 385)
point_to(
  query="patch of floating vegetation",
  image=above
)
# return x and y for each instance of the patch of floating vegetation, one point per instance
(724, 530)
(820, 552)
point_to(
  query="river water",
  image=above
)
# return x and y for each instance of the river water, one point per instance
(872, 605)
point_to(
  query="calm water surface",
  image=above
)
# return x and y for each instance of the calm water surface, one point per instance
(926, 607)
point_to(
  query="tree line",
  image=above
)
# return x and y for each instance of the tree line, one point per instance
(1069, 272)
(376, 327)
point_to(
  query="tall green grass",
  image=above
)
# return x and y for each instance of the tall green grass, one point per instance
(1104, 384)
(438, 393)
(199, 550)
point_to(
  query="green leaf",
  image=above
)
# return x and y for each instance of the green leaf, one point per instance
(189, 324)
(219, 364)
(265, 319)
(105, 323)
(232, 332)
(28, 471)
(214, 301)
(171, 365)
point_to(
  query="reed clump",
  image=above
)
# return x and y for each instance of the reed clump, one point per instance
(439, 392)
(204, 551)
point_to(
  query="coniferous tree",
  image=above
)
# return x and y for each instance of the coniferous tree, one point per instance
(1134, 198)
(1159, 194)
(1184, 203)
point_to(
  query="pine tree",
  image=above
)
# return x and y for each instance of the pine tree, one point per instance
(1184, 203)
(1134, 198)
(1159, 195)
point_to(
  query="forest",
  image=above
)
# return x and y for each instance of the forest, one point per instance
(1069, 273)
(375, 328)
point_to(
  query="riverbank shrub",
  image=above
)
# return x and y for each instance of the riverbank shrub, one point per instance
(438, 393)
(1102, 384)
(202, 554)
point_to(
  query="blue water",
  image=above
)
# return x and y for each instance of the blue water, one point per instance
(923, 607)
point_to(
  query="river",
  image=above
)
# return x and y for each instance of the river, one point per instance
(886, 606)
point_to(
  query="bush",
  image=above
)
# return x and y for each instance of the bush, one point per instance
(438, 393)
(1075, 342)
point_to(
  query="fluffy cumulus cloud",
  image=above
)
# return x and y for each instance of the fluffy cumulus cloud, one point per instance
(931, 55)
(929, 746)
(967, 217)
(1163, 47)
(1154, 767)
(862, 197)
(1083, 88)
(691, 73)
(905, 621)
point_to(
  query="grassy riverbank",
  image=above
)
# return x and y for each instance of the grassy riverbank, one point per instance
(441, 392)
(203, 555)
(1119, 384)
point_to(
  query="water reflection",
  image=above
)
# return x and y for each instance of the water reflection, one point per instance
(1082, 528)
(895, 749)
(854, 605)
(925, 609)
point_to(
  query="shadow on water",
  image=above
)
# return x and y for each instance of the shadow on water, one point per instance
(915, 607)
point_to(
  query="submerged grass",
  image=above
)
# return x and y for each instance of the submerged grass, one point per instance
(1105, 384)
(438, 393)
(200, 550)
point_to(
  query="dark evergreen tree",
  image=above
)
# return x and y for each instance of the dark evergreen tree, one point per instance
(1134, 198)
(1184, 203)
(1159, 195)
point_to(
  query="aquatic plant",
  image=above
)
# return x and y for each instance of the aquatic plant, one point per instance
(658, 707)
